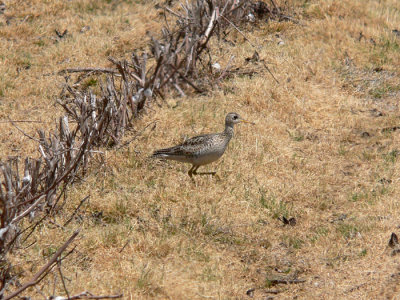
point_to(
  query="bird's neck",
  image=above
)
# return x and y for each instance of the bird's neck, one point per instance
(228, 131)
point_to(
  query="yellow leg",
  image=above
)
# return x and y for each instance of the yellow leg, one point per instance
(192, 171)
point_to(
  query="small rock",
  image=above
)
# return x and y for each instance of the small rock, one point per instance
(254, 58)
(394, 240)
(61, 35)
(2, 7)
(385, 181)
(84, 29)
(135, 99)
(376, 113)
(250, 292)
(372, 41)
(251, 18)
(340, 218)
(216, 66)
(148, 93)
(291, 221)
(365, 134)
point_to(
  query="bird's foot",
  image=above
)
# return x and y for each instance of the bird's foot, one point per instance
(206, 173)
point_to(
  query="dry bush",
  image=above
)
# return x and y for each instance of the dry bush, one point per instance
(179, 59)
(36, 196)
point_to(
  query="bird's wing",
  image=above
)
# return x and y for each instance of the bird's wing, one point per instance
(188, 147)
(198, 140)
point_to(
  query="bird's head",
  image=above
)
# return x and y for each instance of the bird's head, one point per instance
(234, 118)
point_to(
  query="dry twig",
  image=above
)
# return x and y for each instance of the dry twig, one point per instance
(87, 295)
(84, 70)
(44, 270)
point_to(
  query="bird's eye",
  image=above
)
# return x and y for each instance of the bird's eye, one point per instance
(235, 117)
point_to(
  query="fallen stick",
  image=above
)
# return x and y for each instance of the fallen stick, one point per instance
(76, 211)
(88, 295)
(238, 30)
(269, 71)
(38, 276)
(187, 80)
(23, 132)
(78, 70)
(22, 121)
(286, 281)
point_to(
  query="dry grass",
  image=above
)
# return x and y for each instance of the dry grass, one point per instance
(31, 51)
(316, 153)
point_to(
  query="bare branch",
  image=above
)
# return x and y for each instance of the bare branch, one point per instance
(22, 121)
(79, 70)
(266, 67)
(87, 295)
(44, 269)
(62, 277)
(26, 212)
(23, 132)
(238, 30)
(75, 211)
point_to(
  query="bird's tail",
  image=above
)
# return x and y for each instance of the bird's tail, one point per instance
(161, 153)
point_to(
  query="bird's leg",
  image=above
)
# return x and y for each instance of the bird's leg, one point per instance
(191, 171)
(194, 172)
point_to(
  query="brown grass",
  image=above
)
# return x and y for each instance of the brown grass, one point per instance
(316, 153)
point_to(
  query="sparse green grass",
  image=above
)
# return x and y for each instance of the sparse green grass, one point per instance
(347, 230)
(293, 242)
(276, 207)
(363, 253)
(319, 233)
(391, 156)
(209, 274)
(89, 83)
(143, 281)
(383, 91)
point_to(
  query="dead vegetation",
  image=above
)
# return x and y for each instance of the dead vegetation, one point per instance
(41, 192)
(180, 59)
(307, 202)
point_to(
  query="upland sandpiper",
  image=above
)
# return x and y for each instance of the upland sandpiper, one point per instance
(202, 149)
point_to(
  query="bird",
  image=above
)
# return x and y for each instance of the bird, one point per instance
(203, 149)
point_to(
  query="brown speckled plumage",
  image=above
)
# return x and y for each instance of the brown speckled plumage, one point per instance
(202, 149)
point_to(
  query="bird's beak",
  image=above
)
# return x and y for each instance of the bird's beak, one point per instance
(245, 121)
